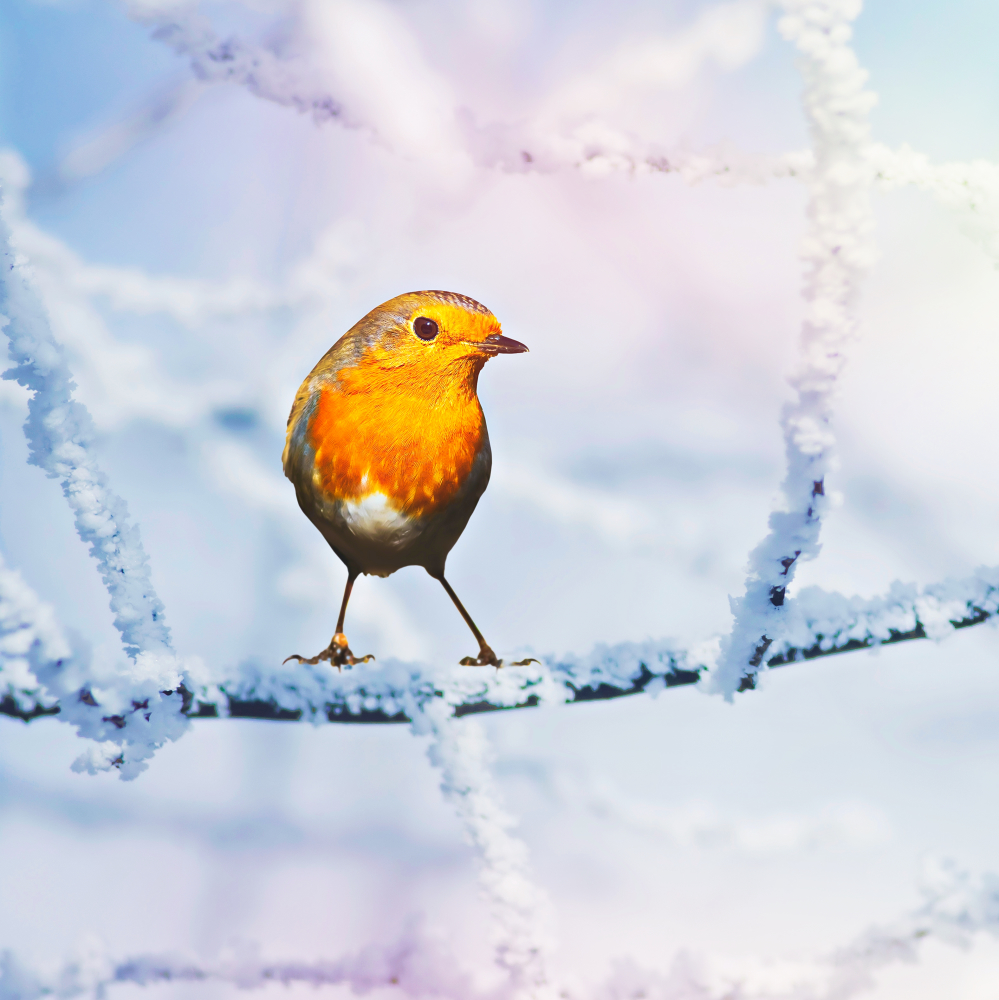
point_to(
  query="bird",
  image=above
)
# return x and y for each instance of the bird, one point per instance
(387, 444)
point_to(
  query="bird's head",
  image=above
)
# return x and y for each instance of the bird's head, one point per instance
(434, 342)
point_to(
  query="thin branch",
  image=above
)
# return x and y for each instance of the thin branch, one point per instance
(838, 251)
(956, 907)
(60, 441)
(519, 908)
(214, 59)
(819, 624)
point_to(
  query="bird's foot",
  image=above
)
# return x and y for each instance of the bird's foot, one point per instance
(337, 652)
(487, 658)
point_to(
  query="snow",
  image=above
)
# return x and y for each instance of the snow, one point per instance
(461, 752)
(138, 706)
(956, 907)
(212, 59)
(131, 706)
(32, 647)
(971, 190)
(60, 433)
(838, 251)
(129, 710)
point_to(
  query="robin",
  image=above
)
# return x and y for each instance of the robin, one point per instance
(387, 443)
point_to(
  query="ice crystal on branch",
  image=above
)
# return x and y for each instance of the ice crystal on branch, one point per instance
(837, 250)
(132, 709)
(956, 907)
(460, 751)
(60, 439)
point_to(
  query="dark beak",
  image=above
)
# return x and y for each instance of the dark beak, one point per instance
(495, 344)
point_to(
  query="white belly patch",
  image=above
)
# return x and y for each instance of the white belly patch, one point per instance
(374, 519)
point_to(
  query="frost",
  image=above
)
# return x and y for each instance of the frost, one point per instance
(137, 706)
(189, 34)
(460, 751)
(819, 621)
(838, 250)
(60, 437)
(38, 669)
(97, 757)
(956, 906)
(971, 190)
(124, 707)
(419, 964)
(28, 632)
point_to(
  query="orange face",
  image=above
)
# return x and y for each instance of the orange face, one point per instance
(433, 343)
(396, 411)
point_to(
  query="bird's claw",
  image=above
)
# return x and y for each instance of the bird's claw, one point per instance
(337, 652)
(487, 658)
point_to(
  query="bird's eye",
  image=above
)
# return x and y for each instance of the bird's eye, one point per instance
(425, 329)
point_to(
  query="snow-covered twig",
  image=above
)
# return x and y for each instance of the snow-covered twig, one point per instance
(418, 965)
(518, 906)
(590, 146)
(727, 34)
(817, 624)
(971, 190)
(216, 60)
(30, 637)
(128, 708)
(593, 146)
(596, 150)
(133, 707)
(60, 436)
(956, 907)
(838, 251)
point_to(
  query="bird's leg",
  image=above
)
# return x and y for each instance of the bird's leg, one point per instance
(486, 657)
(338, 651)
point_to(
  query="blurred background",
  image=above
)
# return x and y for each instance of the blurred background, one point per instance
(200, 248)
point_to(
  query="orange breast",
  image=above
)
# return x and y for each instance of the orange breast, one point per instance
(416, 452)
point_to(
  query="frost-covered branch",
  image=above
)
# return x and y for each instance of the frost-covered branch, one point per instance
(598, 150)
(60, 439)
(125, 710)
(838, 251)
(418, 965)
(128, 708)
(216, 60)
(723, 33)
(726, 33)
(817, 624)
(518, 907)
(955, 908)
(590, 146)
(971, 190)
(569, 132)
